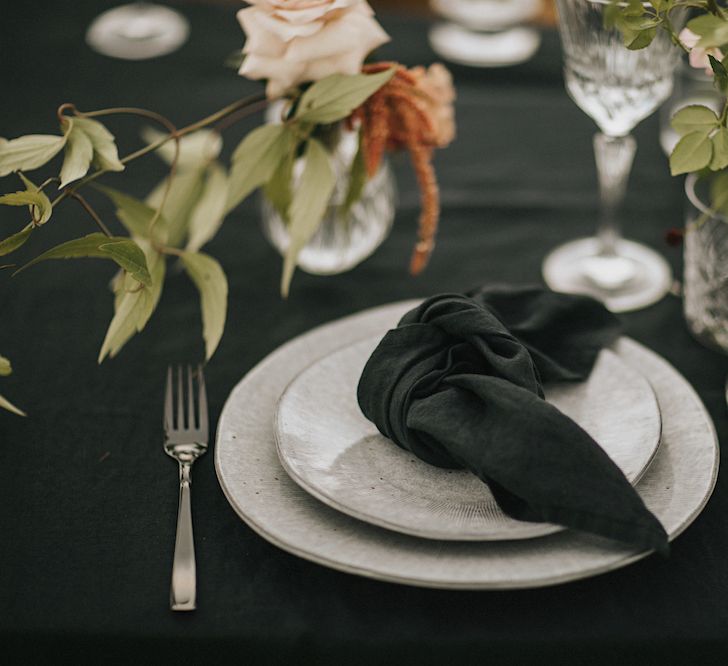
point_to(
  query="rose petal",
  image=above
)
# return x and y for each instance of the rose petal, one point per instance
(313, 12)
(285, 30)
(348, 63)
(285, 72)
(337, 37)
(258, 39)
(301, 16)
(297, 4)
(292, 41)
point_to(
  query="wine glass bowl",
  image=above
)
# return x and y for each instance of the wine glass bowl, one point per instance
(617, 88)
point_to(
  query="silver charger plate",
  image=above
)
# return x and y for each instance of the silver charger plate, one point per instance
(675, 487)
(331, 450)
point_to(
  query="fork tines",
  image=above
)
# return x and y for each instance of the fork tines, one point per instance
(189, 420)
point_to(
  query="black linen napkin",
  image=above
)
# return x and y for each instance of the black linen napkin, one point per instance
(459, 384)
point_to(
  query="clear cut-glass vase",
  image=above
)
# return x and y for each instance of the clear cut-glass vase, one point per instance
(345, 237)
(705, 288)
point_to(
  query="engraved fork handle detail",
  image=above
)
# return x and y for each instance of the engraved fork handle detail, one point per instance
(184, 576)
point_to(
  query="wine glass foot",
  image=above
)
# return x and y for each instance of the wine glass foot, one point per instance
(632, 278)
(463, 46)
(137, 31)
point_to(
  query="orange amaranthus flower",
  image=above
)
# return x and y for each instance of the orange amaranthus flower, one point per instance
(402, 115)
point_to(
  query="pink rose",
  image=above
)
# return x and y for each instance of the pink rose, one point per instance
(438, 95)
(293, 41)
(698, 56)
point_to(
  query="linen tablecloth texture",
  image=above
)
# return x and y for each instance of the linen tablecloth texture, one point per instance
(459, 383)
(88, 499)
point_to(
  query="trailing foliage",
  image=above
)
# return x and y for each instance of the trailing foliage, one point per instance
(183, 212)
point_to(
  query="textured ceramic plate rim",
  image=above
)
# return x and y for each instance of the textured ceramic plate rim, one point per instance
(509, 532)
(622, 559)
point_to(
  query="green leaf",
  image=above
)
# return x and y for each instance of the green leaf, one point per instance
(256, 159)
(134, 304)
(713, 31)
(86, 246)
(694, 118)
(5, 370)
(196, 150)
(611, 15)
(720, 150)
(638, 21)
(184, 194)
(127, 254)
(719, 192)
(29, 152)
(79, 153)
(12, 243)
(40, 206)
(357, 179)
(278, 188)
(106, 155)
(720, 74)
(308, 207)
(135, 215)
(9, 406)
(211, 282)
(99, 246)
(641, 39)
(634, 8)
(336, 96)
(692, 153)
(209, 213)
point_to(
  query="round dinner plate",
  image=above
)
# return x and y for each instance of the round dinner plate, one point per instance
(675, 487)
(331, 450)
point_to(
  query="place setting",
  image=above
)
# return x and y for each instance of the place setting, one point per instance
(495, 400)
(303, 466)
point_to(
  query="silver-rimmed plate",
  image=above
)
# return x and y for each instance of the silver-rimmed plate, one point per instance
(675, 487)
(331, 450)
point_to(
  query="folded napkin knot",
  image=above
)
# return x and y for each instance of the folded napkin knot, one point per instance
(459, 384)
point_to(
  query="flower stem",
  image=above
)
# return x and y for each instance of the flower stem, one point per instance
(250, 104)
(87, 207)
(724, 113)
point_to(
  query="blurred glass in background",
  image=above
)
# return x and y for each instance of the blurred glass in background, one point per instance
(137, 31)
(486, 33)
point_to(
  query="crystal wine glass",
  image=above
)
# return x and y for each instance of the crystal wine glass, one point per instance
(617, 88)
(137, 31)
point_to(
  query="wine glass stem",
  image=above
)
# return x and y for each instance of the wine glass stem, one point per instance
(614, 156)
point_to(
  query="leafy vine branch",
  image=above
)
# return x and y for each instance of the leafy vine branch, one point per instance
(185, 210)
(703, 143)
(239, 110)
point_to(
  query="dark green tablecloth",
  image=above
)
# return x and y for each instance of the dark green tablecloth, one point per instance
(87, 498)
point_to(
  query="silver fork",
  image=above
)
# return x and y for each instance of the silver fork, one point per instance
(185, 440)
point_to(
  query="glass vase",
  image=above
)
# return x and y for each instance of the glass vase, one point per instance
(705, 289)
(344, 238)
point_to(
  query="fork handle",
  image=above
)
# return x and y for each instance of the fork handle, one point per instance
(184, 576)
